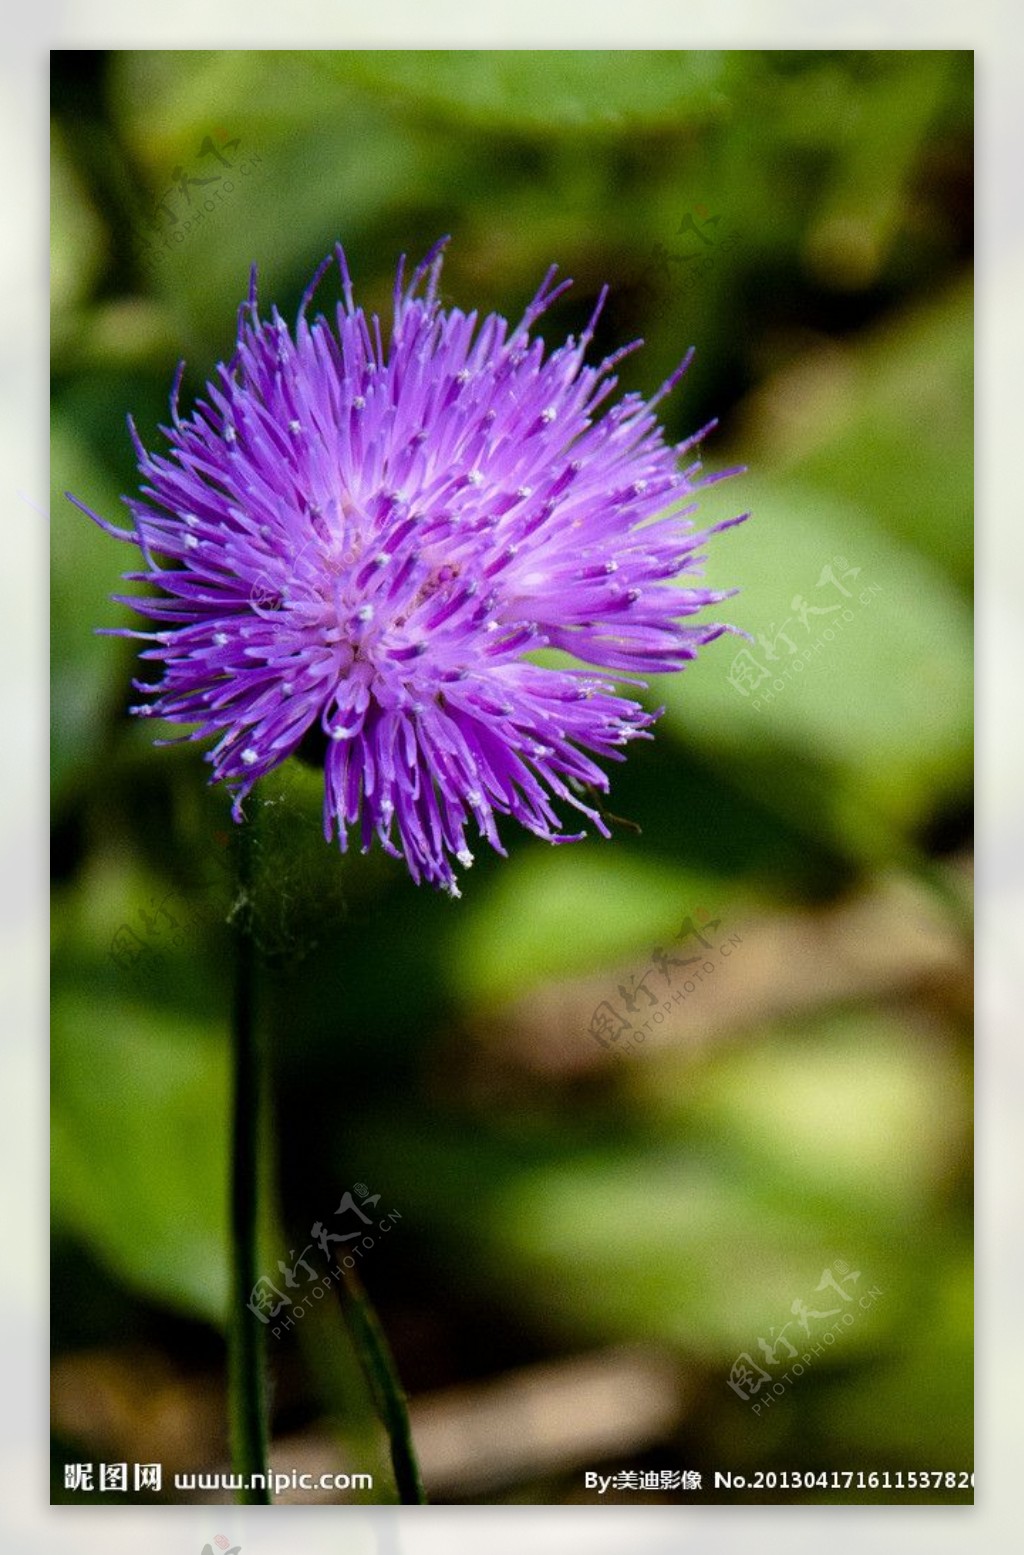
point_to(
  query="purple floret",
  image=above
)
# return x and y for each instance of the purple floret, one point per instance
(371, 540)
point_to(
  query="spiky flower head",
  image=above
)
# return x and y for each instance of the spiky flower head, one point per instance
(368, 541)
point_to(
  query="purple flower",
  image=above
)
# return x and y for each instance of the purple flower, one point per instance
(370, 541)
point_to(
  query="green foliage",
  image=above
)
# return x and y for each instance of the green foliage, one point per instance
(86, 567)
(616, 905)
(698, 1217)
(872, 689)
(543, 92)
(140, 1146)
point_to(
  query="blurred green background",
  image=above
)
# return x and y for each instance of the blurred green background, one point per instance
(805, 220)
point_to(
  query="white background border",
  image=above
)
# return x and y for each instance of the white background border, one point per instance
(997, 35)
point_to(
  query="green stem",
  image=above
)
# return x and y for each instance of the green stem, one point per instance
(378, 1366)
(246, 1344)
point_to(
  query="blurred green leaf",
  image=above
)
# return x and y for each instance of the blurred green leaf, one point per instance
(543, 89)
(77, 240)
(871, 678)
(853, 1104)
(139, 1146)
(866, 200)
(886, 423)
(738, 1180)
(554, 912)
(924, 1393)
(780, 1160)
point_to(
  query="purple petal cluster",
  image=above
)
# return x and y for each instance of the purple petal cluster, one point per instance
(370, 539)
